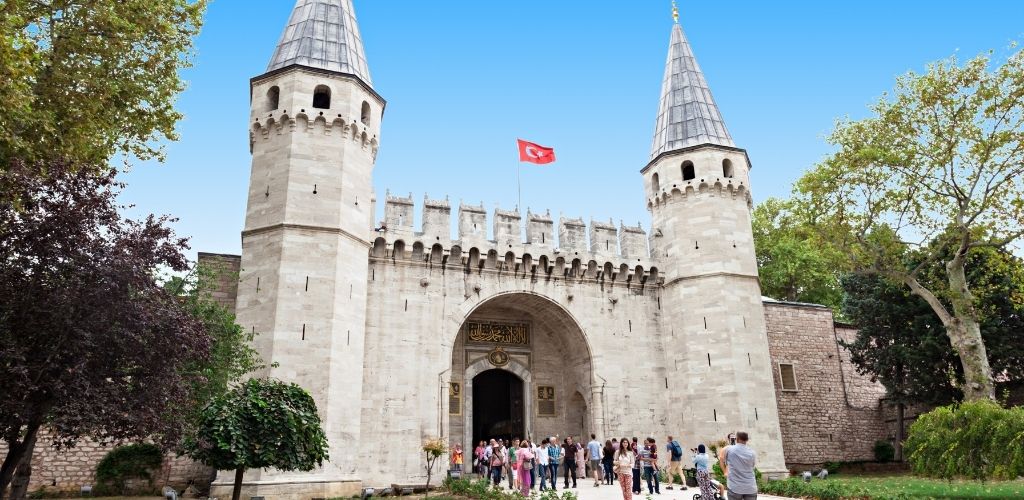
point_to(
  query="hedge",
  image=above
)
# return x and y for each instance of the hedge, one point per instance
(977, 440)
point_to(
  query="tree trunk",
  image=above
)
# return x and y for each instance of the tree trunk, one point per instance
(899, 431)
(965, 334)
(15, 453)
(23, 474)
(236, 492)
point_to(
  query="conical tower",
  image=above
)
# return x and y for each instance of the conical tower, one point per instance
(314, 130)
(697, 189)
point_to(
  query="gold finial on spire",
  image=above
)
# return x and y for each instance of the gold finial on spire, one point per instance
(675, 12)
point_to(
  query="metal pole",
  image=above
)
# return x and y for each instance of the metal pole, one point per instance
(519, 188)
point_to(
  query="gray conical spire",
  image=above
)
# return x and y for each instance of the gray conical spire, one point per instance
(687, 114)
(322, 34)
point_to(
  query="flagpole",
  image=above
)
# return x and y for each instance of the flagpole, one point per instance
(519, 187)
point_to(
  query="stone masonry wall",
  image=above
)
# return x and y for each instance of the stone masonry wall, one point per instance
(834, 414)
(69, 470)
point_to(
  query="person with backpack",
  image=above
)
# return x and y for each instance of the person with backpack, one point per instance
(675, 464)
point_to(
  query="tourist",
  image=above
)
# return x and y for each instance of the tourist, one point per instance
(608, 461)
(569, 461)
(533, 462)
(525, 458)
(497, 462)
(649, 460)
(675, 453)
(512, 467)
(581, 461)
(457, 458)
(700, 463)
(634, 446)
(594, 452)
(615, 444)
(738, 465)
(555, 459)
(478, 458)
(543, 460)
(624, 461)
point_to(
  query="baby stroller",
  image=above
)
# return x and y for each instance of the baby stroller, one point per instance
(718, 491)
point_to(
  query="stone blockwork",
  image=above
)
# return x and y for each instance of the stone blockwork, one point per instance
(69, 470)
(225, 269)
(834, 414)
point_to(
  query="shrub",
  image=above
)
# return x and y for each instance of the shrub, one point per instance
(134, 461)
(823, 490)
(979, 440)
(884, 451)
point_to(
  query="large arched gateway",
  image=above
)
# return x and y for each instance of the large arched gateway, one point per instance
(521, 367)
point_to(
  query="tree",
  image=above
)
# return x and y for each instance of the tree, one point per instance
(91, 344)
(433, 449)
(84, 80)
(231, 354)
(260, 423)
(939, 164)
(793, 263)
(901, 343)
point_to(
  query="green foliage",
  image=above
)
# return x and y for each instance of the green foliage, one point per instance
(977, 440)
(884, 451)
(820, 489)
(261, 423)
(892, 488)
(793, 262)
(936, 169)
(86, 80)
(716, 471)
(481, 489)
(231, 353)
(134, 461)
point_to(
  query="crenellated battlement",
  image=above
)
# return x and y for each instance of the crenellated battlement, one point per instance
(693, 188)
(572, 239)
(277, 123)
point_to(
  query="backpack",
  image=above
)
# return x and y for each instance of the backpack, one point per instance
(677, 451)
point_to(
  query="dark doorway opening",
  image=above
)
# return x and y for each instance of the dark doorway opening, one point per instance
(497, 406)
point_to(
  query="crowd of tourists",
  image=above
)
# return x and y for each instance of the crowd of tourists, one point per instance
(527, 465)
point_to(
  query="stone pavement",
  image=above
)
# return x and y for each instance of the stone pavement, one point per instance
(586, 491)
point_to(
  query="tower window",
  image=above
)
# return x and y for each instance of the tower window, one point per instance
(688, 172)
(727, 168)
(655, 185)
(273, 98)
(322, 97)
(365, 114)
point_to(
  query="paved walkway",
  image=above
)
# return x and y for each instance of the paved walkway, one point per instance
(586, 491)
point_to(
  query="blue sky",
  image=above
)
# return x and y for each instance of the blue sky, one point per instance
(464, 79)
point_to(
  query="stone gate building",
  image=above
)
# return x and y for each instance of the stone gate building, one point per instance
(519, 326)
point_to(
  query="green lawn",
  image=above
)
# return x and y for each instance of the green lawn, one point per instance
(895, 487)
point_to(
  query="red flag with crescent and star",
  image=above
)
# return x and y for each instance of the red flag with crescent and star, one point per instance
(535, 153)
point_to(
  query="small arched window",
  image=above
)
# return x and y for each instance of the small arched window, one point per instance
(655, 185)
(727, 168)
(322, 97)
(688, 172)
(364, 115)
(273, 98)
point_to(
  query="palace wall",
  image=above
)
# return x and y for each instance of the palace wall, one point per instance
(423, 285)
(833, 414)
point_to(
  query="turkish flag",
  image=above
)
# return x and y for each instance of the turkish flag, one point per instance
(535, 153)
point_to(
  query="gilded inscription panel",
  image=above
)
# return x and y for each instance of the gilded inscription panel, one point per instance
(498, 333)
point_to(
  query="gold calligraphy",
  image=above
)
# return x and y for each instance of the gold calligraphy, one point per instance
(499, 333)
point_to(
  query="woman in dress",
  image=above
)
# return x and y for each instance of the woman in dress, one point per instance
(524, 459)
(700, 462)
(581, 461)
(624, 468)
(608, 461)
